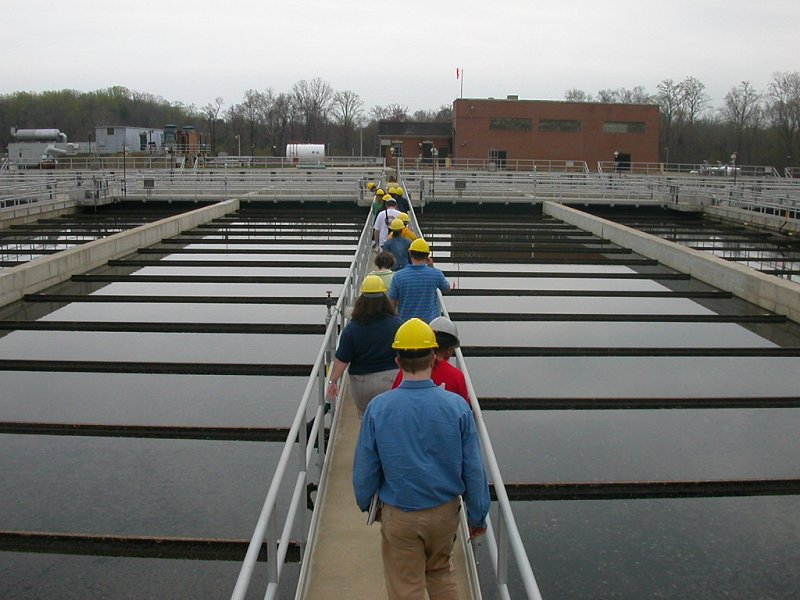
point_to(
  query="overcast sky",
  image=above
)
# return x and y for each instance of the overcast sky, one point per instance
(403, 52)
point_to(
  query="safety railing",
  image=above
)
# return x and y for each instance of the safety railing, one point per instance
(488, 165)
(99, 162)
(696, 169)
(504, 541)
(310, 455)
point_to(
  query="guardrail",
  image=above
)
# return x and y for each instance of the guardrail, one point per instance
(176, 161)
(701, 169)
(495, 165)
(504, 542)
(310, 455)
(449, 186)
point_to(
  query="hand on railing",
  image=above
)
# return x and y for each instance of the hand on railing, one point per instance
(333, 391)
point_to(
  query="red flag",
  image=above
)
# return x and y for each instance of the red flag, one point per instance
(457, 73)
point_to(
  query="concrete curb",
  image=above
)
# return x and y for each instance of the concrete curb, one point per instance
(50, 270)
(768, 292)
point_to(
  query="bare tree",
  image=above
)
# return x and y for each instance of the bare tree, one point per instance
(743, 111)
(313, 100)
(444, 114)
(694, 100)
(784, 111)
(279, 122)
(669, 98)
(576, 95)
(252, 110)
(348, 110)
(391, 112)
(211, 113)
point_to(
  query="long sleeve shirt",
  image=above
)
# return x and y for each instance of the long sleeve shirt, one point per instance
(418, 448)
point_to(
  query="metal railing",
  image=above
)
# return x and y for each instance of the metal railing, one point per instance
(697, 169)
(503, 542)
(310, 455)
(113, 162)
(488, 165)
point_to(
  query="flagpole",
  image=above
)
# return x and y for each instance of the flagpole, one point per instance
(462, 83)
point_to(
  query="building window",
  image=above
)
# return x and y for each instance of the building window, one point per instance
(560, 125)
(511, 124)
(110, 131)
(397, 149)
(623, 127)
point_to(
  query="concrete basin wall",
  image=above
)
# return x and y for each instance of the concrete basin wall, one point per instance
(46, 271)
(767, 291)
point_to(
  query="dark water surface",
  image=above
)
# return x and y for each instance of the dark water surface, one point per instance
(733, 547)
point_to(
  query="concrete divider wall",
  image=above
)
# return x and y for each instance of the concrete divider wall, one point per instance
(767, 291)
(29, 213)
(46, 271)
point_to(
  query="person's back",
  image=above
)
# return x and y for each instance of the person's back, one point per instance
(398, 246)
(422, 424)
(418, 450)
(414, 291)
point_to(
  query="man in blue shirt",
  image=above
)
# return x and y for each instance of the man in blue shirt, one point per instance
(418, 450)
(413, 289)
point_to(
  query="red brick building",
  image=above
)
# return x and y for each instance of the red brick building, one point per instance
(513, 129)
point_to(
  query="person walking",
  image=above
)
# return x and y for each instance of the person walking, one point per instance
(365, 346)
(443, 372)
(382, 221)
(413, 290)
(418, 451)
(384, 261)
(407, 233)
(399, 194)
(397, 244)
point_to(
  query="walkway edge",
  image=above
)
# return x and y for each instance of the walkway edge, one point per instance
(767, 291)
(47, 271)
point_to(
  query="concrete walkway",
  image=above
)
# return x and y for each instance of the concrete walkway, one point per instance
(346, 560)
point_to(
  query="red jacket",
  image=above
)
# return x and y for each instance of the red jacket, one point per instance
(447, 374)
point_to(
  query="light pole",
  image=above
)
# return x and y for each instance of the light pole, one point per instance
(434, 156)
(733, 164)
(239, 145)
(124, 169)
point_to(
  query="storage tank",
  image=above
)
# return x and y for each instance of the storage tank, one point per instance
(306, 154)
(39, 135)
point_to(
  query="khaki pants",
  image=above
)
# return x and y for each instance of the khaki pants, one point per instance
(363, 388)
(416, 550)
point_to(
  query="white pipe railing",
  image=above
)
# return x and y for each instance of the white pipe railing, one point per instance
(506, 542)
(266, 529)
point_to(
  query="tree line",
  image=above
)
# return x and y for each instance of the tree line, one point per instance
(762, 127)
(261, 124)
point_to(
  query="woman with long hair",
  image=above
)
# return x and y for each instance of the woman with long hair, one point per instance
(365, 346)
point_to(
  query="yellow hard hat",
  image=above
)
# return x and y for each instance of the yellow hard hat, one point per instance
(397, 224)
(373, 284)
(370, 185)
(405, 217)
(380, 192)
(399, 191)
(392, 190)
(387, 197)
(414, 334)
(420, 245)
